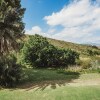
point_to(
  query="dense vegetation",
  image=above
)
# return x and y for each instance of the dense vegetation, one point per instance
(82, 49)
(11, 24)
(11, 29)
(89, 55)
(10, 71)
(40, 53)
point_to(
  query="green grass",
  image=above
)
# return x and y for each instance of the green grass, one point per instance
(46, 84)
(60, 93)
(38, 75)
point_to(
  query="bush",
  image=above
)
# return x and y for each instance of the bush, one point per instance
(85, 64)
(10, 71)
(40, 53)
(92, 52)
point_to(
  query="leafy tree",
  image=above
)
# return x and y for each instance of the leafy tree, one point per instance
(10, 71)
(40, 53)
(11, 25)
(11, 29)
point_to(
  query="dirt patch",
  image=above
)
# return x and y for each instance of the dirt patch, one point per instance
(88, 82)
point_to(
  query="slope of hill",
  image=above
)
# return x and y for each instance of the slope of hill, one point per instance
(95, 44)
(80, 48)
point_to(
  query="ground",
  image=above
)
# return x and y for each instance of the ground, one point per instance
(63, 86)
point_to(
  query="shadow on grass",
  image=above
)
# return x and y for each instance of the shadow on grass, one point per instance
(42, 78)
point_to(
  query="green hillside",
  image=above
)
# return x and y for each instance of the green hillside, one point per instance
(80, 48)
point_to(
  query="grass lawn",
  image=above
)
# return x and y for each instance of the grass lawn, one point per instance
(55, 85)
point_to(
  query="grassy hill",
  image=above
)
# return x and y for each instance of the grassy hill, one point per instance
(80, 48)
(77, 47)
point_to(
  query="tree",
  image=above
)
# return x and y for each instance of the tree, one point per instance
(11, 24)
(10, 71)
(40, 53)
(11, 29)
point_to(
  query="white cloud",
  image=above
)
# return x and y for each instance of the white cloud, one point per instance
(73, 15)
(51, 31)
(80, 21)
(36, 30)
(98, 1)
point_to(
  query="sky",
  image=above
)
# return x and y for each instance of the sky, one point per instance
(69, 20)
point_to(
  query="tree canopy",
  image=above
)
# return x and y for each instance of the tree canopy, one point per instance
(40, 53)
(11, 24)
(11, 29)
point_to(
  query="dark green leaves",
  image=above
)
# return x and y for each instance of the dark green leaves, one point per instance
(11, 25)
(40, 53)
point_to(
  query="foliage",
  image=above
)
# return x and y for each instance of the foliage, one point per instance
(11, 29)
(91, 52)
(10, 71)
(80, 48)
(40, 53)
(84, 64)
(11, 25)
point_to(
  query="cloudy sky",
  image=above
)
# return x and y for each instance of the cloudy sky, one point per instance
(69, 20)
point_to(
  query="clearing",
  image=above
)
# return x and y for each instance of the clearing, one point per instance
(55, 85)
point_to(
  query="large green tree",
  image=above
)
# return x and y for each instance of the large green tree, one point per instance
(40, 53)
(11, 29)
(11, 24)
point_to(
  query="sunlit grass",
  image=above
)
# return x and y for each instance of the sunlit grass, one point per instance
(51, 84)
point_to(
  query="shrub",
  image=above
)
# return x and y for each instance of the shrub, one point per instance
(78, 62)
(40, 53)
(85, 64)
(10, 71)
(93, 52)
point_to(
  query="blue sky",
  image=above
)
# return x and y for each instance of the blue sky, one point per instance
(69, 20)
(37, 9)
